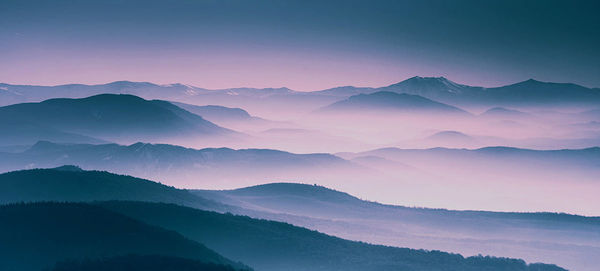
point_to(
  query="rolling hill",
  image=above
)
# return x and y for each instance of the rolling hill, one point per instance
(385, 101)
(108, 117)
(36, 236)
(265, 245)
(268, 245)
(533, 236)
(175, 164)
(75, 185)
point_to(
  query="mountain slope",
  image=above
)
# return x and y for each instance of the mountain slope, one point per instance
(216, 112)
(35, 236)
(575, 158)
(65, 184)
(431, 87)
(532, 236)
(14, 94)
(529, 92)
(535, 92)
(390, 101)
(111, 117)
(504, 112)
(268, 245)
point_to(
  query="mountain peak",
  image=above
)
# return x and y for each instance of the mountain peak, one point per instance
(428, 86)
(429, 78)
(388, 100)
(129, 84)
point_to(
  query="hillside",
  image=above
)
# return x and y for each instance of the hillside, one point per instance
(36, 236)
(389, 101)
(267, 245)
(531, 236)
(175, 164)
(66, 184)
(109, 117)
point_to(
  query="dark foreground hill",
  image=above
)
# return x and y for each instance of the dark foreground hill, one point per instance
(36, 236)
(73, 185)
(262, 244)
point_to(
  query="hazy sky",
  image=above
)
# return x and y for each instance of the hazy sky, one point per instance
(304, 45)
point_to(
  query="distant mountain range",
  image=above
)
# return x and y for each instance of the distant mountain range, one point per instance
(501, 112)
(216, 112)
(224, 115)
(102, 117)
(264, 245)
(383, 101)
(177, 164)
(506, 162)
(530, 92)
(576, 158)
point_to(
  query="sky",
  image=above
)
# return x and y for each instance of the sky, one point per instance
(303, 45)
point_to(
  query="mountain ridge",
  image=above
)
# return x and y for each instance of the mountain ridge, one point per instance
(386, 100)
(435, 88)
(111, 117)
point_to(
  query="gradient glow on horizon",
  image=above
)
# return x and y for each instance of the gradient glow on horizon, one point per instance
(303, 45)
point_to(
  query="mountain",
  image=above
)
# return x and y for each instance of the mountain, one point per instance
(216, 113)
(13, 94)
(390, 101)
(577, 158)
(498, 164)
(36, 236)
(449, 135)
(437, 88)
(267, 245)
(501, 112)
(345, 91)
(226, 116)
(17, 132)
(526, 93)
(450, 138)
(536, 92)
(175, 164)
(109, 117)
(75, 185)
(533, 236)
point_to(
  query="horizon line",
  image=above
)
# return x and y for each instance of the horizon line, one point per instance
(284, 87)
